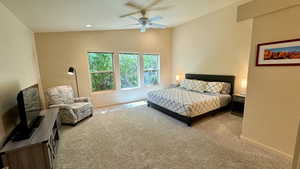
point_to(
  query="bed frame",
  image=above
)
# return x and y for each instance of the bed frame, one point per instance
(204, 77)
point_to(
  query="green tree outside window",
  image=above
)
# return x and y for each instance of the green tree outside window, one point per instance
(129, 70)
(151, 69)
(101, 69)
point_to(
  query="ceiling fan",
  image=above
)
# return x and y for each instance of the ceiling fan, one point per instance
(144, 22)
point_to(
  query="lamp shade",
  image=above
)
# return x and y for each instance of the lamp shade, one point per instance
(177, 78)
(244, 84)
(71, 71)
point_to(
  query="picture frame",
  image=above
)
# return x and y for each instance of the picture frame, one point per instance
(279, 53)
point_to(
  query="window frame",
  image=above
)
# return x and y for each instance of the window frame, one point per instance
(116, 70)
(145, 70)
(113, 71)
(138, 70)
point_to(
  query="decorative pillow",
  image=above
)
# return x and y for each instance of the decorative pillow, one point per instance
(214, 87)
(195, 85)
(226, 88)
(199, 86)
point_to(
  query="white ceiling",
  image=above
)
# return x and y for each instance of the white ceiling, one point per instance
(72, 15)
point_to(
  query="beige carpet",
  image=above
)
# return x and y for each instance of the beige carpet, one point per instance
(143, 138)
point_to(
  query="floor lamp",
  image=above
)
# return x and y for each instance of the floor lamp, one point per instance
(72, 71)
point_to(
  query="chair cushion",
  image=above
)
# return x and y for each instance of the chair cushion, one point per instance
(80, 107)
(60, 95)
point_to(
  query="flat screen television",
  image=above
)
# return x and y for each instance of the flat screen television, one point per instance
(29, 105)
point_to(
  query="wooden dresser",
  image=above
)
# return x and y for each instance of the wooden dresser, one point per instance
(39, 151)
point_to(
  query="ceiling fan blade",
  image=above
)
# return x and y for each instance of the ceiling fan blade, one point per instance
(155, 18)
(155, 25)
(135, 24)
(155, 2)
(133, 18)
(129, 14)
(134, 5)
(160, 8)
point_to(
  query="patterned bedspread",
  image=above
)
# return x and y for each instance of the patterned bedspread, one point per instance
(188, 103)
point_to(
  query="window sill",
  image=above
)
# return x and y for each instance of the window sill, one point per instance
(125, 89)
(129, 88)
(104, 91)
(149, 86)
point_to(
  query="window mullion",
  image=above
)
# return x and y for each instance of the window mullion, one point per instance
(109, 71)
(158, 73)
(117, 71)
(141, 56)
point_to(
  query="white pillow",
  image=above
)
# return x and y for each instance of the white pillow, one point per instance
(195, 85)
(214, 87)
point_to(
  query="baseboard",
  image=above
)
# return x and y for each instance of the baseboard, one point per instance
(267, 147)
(116, 104)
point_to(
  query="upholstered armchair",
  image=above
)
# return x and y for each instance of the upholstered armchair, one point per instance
(72, 110)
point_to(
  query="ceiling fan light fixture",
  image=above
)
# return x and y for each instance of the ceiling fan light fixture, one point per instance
(88, 26)
(145, 22)
(143, 29)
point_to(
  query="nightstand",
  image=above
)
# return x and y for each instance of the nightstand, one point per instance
(238, 104)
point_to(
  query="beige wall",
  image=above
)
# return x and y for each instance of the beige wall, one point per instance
(213, 44)
(257, 8)
(18, 67)
(272, 108)
(296, 160)
(58, 51)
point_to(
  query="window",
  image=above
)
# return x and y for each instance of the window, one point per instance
(129, 70)
(102, 71)
(111, 71)
(151, 69)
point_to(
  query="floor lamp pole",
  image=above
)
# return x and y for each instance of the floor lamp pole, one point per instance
(76, 83)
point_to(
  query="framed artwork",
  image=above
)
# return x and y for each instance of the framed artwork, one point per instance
(281, 53)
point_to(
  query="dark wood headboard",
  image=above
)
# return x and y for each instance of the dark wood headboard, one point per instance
(213, 78)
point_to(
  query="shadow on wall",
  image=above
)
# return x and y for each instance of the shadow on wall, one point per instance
(8, 108)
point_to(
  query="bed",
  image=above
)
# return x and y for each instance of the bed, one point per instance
(188, 106)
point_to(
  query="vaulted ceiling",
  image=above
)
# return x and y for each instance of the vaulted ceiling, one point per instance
(73, 15)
